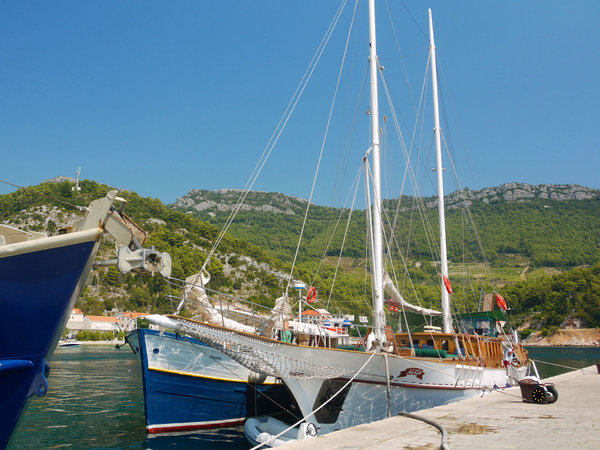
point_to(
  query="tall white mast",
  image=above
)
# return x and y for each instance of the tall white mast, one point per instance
(379, 315)
(447, 318)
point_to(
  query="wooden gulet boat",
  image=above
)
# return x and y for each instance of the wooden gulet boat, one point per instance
(337, 388)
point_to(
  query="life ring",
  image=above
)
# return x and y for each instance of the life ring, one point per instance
(447, 284)
(312, 294)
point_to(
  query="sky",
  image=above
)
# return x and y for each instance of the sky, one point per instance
(164, 97)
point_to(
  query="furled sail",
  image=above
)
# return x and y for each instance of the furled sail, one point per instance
(195, 293)
(391, 290)
(279, 318)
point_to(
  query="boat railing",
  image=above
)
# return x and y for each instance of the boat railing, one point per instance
(274, 322)
(229, 306)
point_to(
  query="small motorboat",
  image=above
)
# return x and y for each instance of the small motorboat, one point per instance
(69, 343)
(265, 431)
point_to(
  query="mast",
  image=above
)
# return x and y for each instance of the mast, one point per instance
(379, 315)
(447, 319)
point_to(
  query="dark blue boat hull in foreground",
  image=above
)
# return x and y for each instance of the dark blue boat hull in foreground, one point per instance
(190, 386)
(40, 280)
(37, 291)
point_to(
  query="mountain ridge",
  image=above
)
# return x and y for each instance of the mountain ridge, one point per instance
(201, 200)
(524, 233)
(547, 225)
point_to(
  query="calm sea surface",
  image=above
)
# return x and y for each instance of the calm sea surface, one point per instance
(96, 401)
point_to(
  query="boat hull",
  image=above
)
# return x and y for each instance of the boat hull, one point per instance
(315, 375)
(190, 386)
(414, 384)
(38, 288)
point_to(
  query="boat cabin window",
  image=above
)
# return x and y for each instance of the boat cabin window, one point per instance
(483, 327)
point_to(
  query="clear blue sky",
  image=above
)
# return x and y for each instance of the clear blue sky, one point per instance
(163, 97)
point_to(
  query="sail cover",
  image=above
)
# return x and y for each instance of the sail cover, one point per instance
(391, 290)
(195, 293)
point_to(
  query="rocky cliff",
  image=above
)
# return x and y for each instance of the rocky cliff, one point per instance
(225, 200)
(581, 337)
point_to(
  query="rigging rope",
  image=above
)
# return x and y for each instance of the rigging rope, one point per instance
(343, 240)
(28, 189)
(287, 287)
(333, 234)
(319, 408)
(274, 138)
(252, 385)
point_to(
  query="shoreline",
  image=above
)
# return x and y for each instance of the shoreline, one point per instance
(561, 346)
(106, 343)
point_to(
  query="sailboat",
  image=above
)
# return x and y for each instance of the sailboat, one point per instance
(190, 386)
(41, 277)
(337, 388)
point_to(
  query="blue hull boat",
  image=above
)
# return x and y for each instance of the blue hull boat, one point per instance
(190, 386)
(41, 277)
(37, 291)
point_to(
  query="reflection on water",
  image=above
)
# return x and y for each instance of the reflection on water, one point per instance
(230, 438)
(96, 401)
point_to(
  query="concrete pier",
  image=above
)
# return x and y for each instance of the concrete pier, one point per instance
(499, 420)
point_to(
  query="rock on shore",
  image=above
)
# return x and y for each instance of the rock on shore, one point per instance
(577, 337)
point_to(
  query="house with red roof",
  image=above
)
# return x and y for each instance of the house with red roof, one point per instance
(75, 322)
(101, 323)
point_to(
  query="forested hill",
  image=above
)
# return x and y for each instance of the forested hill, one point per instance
(543, 225)
(523, 225)
(46, 208)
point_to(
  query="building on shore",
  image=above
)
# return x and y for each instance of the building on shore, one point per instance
(123, 321)
(100, 323)
(128, 320)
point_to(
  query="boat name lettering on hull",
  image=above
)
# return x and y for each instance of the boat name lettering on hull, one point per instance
(412, 371)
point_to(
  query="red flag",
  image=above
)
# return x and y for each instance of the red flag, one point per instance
(501, 302)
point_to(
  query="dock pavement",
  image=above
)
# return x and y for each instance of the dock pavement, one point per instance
(498, 420)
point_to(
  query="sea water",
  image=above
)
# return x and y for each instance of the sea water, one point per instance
(551, 361)
(96, 401)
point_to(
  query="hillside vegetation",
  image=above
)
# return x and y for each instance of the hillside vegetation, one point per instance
(187, 240)
(551, 300)
(517, 224)
(526, 232)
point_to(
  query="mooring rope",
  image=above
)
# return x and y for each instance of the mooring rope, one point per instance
(319, 408)
(560, 365)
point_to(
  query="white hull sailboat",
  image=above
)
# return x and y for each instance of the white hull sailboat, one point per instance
(395, 373)
(337, 388)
